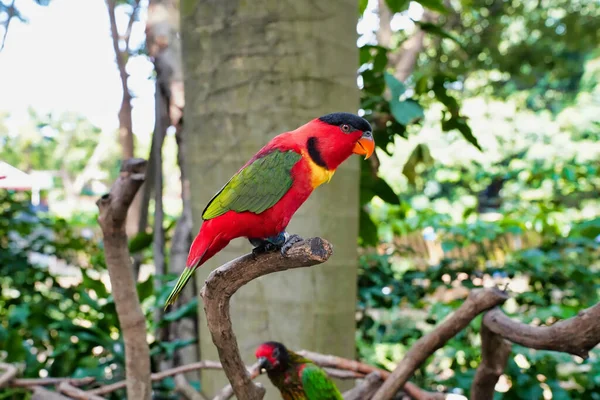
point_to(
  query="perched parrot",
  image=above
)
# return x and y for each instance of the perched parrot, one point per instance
(296, 377)
(261, 198)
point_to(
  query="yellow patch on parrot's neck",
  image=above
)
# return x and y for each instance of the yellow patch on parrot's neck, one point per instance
(318, 175)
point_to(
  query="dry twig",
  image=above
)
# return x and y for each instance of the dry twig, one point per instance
(113, 213)
(40, 393)
(76, 393)
(366, 389)
(10, 371)
(227, 392)
(186, 390)
(494, 355)
(477, 302)
(576, 335)
(224, 281)
(157, 376)
(25, 382)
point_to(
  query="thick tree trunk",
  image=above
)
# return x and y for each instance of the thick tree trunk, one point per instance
(254, 70)
(164, 46)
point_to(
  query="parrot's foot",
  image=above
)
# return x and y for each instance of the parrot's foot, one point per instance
(269, 244)
(291, 240)
(264, 247)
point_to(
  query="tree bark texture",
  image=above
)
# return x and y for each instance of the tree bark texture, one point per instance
(254, 70)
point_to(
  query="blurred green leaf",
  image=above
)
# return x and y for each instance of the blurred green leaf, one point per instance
(187, 310)
(396, 6)
(434, 5)
(140, 241)
(407, 111)
(419, 155)
(368, 230)
(145, 289)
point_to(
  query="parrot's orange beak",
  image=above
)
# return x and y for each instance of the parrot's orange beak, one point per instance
(365, 145)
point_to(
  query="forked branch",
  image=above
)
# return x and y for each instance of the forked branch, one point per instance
(224, 281)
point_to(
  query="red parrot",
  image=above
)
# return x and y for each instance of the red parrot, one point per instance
(259, 201)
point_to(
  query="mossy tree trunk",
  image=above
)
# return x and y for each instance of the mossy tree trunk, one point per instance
(254, 69)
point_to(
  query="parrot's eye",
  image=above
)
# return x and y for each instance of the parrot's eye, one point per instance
(345, 128)
(275, 352)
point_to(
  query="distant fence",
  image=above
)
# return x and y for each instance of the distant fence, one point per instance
(426, 249)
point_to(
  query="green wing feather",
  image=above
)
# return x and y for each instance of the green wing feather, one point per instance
(257, 187)
(317, 384)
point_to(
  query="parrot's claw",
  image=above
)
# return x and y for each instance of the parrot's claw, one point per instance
(291, 240)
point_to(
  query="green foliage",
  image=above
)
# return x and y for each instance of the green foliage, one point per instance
(52, 324)
(530, 161)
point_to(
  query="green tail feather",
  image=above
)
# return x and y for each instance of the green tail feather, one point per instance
(181, 282)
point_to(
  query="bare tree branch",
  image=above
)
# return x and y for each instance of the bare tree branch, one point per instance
(51, 381)
(331, 361)
(477, 302)
(10, 371)
(227, 392)
(576, 335)
(224, 281)
(494, 356)
(40, 393)
(113, 213)
(186, 390)
(366, 389)
(125, 121)
(10, 11)
(327, 360)
(132, 17)
(161, 375)
(76, 393)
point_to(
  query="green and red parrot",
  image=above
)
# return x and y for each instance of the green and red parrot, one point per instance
(296, 377)
(259, 201)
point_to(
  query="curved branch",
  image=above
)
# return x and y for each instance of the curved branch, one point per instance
(494, 356)
(477, 302)
(113, 213)
(224, 281)
(365, 390)
(576, 335)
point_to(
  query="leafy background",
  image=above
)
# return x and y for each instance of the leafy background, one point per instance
(487, 153)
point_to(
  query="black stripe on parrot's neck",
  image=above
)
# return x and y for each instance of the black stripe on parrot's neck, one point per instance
(314, 153)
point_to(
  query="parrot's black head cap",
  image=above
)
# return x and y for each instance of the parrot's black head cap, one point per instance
(353, 120)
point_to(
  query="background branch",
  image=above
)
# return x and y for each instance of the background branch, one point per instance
(477, 302)
(161, 375)
(186, 390)
(224, 281)
(10, 371)
(366, 388)
(76, 393)
(494, 356)
(40, 393)
(50, 381)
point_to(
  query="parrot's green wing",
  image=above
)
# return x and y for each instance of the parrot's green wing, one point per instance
(257, 187)
(317, 384)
